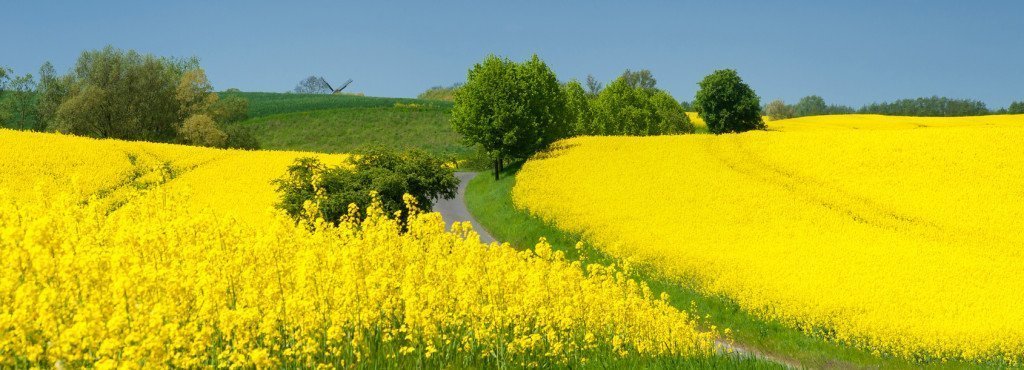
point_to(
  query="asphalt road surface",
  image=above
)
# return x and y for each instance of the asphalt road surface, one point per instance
(455, 209)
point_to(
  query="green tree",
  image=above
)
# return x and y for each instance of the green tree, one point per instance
(510, 109)
(18, 102)
(230, 109)
(633, 105)
(388, 173)
(124, 95)
(1016, 107)
(593, 86)
(812, 105)
(672, 118)
(50, 93)
(201, 130)
(778, 109)
(119, 94)
(727, 104)
(639, 79)
(577, 103)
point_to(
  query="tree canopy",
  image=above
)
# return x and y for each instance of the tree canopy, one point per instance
(510, 109)
(633, 105)
(727, 104)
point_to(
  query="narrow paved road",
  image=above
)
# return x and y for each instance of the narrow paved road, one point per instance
(455, 209)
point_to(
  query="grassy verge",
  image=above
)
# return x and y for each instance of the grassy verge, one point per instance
(490, 202)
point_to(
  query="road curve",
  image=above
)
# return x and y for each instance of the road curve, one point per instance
(455, 209)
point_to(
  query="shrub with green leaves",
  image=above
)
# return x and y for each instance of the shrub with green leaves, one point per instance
(727, 104)
(390, 174)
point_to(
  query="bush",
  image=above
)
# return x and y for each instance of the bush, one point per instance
(727, 104)
(510, 109)
(201, 130)
(778, 109)
(330, 190)
(444, 93)
(241, 137)
(632, 105)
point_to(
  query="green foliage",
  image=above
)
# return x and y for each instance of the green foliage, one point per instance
(1016, 107)
(51, 92)
(18, 102)
(577, 103)
(632, 105)
(312, 85)
(388, 173)
(934, 106)
(593, 86)
(125, 95)
(201, 130)
(119, 94)
(241, 137)
(231, 109)
(443, 93)
(777, 109)
(510, 109)
(639, 79)
(727, 104)
(812, 105)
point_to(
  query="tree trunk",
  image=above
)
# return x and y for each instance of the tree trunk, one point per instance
(497, 168)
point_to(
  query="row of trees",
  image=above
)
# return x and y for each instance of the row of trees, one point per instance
(513, 110)
(111, 93)
(812, 105)
(934, 106)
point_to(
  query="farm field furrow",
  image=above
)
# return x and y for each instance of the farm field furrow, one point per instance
(905, 242)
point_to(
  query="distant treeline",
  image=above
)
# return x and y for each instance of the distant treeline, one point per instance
(112, 93)
(935, 106)
(444, 93)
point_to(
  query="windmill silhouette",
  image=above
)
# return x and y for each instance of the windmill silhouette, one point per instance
(338, 90)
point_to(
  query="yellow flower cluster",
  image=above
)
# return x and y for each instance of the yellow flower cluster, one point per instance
(905, 242)
(168, 275)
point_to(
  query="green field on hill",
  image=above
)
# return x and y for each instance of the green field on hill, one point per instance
(349, 123)
(267, 103)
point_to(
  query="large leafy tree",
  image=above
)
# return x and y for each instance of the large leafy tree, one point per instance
(811, 105)
(727, 104)
(124, 95)
(632, 105)
(510, 109)
(577, 102)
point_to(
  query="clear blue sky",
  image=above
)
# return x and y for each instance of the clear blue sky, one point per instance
(852, 52)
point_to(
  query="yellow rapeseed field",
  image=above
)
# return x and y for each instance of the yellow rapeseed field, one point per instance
(876, 122)
(905, 242)
(140, 255)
